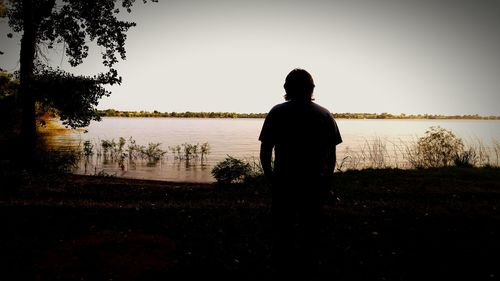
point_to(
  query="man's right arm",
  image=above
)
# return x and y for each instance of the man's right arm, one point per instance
(266, 151)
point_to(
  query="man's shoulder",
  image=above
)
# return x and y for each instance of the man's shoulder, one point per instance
(290, 107)
(293, 107)
(280, 106)
(279, 109)
(320, 108)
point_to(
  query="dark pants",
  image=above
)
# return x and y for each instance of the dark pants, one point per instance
(296, 217)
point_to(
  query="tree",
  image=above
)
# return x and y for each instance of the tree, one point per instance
(69, 22)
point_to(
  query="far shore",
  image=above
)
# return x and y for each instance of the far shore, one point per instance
(378, 116)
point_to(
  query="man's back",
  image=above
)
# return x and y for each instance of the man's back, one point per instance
(304, 134)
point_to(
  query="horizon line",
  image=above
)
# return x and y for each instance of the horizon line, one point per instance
(338, 114)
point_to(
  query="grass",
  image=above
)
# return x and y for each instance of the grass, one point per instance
(390, 224)
(383, 154)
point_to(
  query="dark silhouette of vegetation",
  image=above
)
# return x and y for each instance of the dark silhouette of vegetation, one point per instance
(466, 159)
(437, 148)
(189, 114)
(70, 23)
(9, 104)
(412, 116)
(71, 98)
(231, 170)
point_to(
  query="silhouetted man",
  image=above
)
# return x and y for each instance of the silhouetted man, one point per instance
(304, 136)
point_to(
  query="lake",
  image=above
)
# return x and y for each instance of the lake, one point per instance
(239, 138)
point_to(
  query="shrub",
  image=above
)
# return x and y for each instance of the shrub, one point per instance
(231, 170)
(56, 160)
(438, 147)
(466, 158)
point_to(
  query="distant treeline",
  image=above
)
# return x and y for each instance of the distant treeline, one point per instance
(189, 114)
(410, 116)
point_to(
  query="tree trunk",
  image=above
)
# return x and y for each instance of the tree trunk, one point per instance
(27, 57)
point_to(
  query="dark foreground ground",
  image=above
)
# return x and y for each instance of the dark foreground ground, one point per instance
(389, 225)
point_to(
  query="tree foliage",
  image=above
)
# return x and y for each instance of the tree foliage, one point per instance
(72, 25)
(72, 98)
(72, 22)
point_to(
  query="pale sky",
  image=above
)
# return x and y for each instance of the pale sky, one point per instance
(396, 56)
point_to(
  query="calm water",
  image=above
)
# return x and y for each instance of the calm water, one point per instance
(239, 138)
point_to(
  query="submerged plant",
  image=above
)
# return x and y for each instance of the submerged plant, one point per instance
(176, 150)
(108, 147)
(204, 150)
(133, 149)
(120, 154)
(88, 149)
(190, 151)
(152, 153)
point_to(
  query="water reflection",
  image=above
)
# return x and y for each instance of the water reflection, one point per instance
(366, 142)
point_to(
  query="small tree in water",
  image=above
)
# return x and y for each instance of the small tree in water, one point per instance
(438, 147)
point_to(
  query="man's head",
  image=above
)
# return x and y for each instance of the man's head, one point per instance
(299, 85)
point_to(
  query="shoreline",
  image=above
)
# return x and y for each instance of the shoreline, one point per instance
(355, 115)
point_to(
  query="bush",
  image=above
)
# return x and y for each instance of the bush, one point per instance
(467, 158)
(437, 148)
(231, 170)
(56, 161)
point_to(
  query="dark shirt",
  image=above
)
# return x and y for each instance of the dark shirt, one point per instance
(303, 135)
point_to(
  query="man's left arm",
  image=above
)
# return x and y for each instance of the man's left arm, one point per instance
(266, 151)
(334, 139)
(331, 159)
